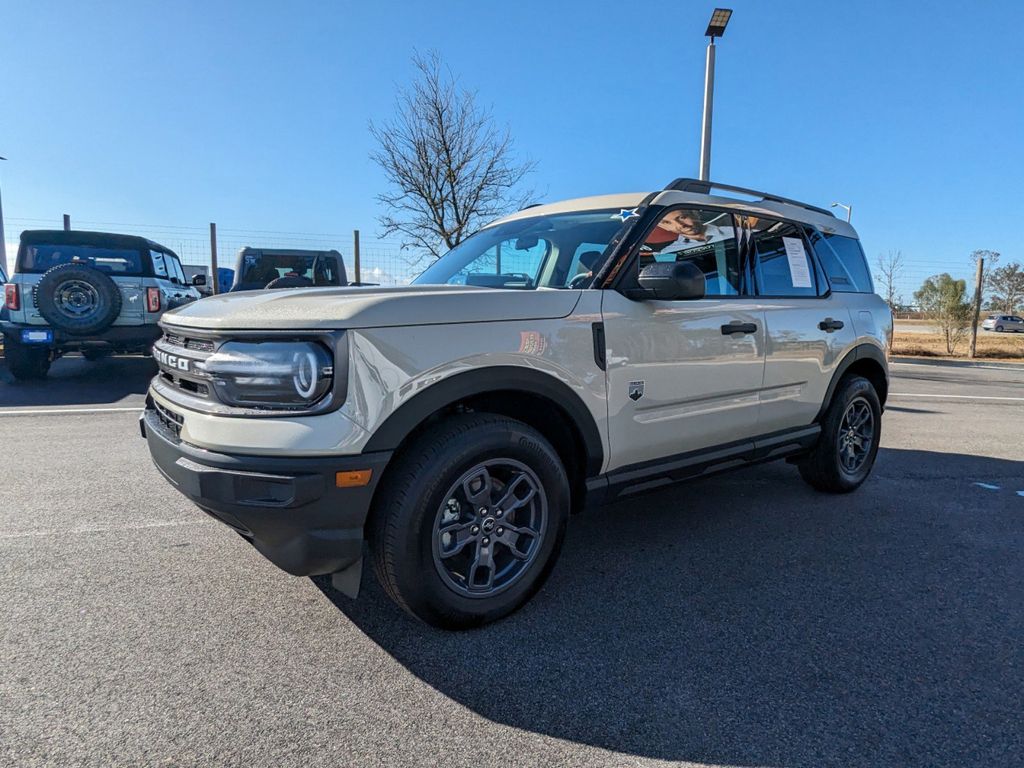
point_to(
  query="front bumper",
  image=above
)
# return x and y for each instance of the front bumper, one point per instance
(290, 509)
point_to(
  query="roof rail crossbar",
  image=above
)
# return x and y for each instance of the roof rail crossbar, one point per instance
(705, 187)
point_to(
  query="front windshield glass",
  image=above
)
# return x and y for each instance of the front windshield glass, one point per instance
(556, 251)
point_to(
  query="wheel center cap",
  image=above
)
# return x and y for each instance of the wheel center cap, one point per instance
(488, 525)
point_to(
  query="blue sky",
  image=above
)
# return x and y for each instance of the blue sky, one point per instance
(254, 114)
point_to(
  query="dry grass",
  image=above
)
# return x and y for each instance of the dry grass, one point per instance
(991, 346)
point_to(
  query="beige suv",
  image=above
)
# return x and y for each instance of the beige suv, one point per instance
(564, 356)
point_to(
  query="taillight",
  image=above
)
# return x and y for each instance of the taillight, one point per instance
(11, 298)
(152, 299)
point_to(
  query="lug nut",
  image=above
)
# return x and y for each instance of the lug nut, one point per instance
(475, 529)
(499, 513)
(501, 531)
(486, 541)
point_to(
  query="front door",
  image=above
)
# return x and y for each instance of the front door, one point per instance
(684, 375)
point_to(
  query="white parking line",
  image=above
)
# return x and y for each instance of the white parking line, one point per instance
(139, 527)
(47, 411)
(957, 397)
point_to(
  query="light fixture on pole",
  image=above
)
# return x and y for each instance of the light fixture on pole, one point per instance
(716, 28)
(847, 208)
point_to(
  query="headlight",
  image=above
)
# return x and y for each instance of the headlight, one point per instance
(270, 374)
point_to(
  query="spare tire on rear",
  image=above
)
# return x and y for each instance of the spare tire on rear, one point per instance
(78, 299)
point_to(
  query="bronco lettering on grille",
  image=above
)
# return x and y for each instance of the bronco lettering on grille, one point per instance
(171, 361)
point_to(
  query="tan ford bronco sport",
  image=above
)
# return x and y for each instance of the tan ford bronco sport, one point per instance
(566, 355)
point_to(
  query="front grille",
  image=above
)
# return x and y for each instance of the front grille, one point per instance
(186, 385)
(170, 421)
(199, 345)
(181, 359)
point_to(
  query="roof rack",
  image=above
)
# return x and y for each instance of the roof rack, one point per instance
(705, 187)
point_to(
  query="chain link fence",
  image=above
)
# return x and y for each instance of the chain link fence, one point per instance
(381, 261)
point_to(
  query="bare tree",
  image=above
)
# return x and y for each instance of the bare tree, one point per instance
(450, 168)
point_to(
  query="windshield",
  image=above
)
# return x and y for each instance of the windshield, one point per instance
(38, 258)
(556, 251)
(260, 269)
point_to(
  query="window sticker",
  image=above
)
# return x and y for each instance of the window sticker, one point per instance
(799, 270)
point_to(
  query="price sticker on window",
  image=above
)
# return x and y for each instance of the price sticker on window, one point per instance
(799, 268)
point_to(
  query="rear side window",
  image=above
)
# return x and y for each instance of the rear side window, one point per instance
(782, 265)
(37, 258)
(159, 267)
(843, 260)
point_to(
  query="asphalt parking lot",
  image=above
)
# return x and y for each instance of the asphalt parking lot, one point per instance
(743, 620)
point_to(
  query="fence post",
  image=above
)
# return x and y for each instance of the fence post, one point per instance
(977, 307)
(213, 259)
(355, 255)
(67, 222)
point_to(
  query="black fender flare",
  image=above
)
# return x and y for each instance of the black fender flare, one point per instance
(400, 424)
(859, 352)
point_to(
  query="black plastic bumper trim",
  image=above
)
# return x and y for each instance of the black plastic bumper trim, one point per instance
(289, 508)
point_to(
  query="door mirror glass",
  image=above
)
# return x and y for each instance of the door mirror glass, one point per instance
(198, 280)
(672, 281)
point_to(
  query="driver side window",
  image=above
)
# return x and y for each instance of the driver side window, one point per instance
(704, 238)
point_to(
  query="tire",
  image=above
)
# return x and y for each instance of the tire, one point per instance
(828, 467)
(290, 282)
(78, 299)
(999, 329)
(26, 363)
(430, 487)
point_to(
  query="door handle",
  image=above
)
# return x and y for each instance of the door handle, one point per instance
(730, 328)
(828, 325)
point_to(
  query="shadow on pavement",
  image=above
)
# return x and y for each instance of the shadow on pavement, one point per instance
(747, 620)
(74, 380)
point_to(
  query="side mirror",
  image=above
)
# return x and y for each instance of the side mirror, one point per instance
(671, 281)
(198, 280)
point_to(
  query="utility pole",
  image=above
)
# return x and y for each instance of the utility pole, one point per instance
(978, 278)
(214, 274)
(716, 28)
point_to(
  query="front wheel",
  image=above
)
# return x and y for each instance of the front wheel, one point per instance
(845, 453)
(470, 521)
(999, 329)
(24, 362)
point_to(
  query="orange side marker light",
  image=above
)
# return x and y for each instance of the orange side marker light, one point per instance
(356, 478)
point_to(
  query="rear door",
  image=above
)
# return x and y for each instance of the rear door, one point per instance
(808, 328)
(684, 375)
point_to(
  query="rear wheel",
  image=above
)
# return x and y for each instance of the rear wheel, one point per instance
(470, 520)
(26, 363)
(999, 329)
(845, 453)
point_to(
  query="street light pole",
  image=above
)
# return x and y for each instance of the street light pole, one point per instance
(847, 208)
(716, 28)
(3, 242)
(705, 125)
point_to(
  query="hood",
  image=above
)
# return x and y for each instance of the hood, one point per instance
(329, 308)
